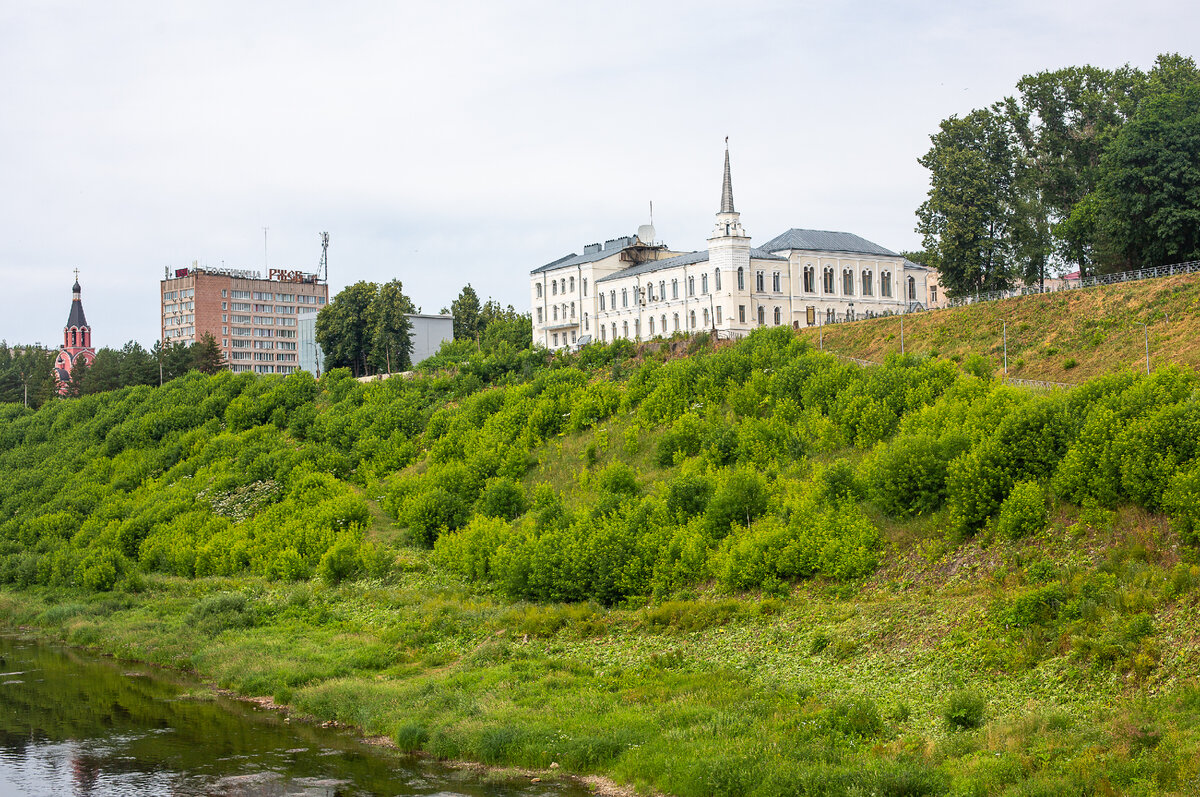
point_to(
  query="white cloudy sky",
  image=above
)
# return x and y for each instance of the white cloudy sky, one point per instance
(451, 142)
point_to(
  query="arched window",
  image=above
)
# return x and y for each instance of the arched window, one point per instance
(74, 337)
(601, 302)
(778, 316)
(554, 287)
(762, 316)
(585, 286)
(717, 279)
(539, 290)
(706, 323)
(718, 315)
(775, 282)
(664, 323)
(809, 286)
(572, 309)
(885, 284)
(556, 312)
(847, 282)
(912, 289)
(651, 325)
(625, 329)
(692, 319)
(866, 283)
(563, 287)
(572, 284)
(637, 328)
(624, 297)
(603, 334)
(614, 330)
(674, 289)
(741, 279)
(758, 282)
(539, 315)
(612, 302)
(827, 278)
(662, 291)
(704, 283)
(676, 322)
(585, 322)
(691, 286)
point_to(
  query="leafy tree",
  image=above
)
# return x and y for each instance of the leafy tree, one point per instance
(1148, 201)
(468, 322)
(391, 331)
(968, 217)
(343, 328)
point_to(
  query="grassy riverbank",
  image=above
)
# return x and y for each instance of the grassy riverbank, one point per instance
(824, 690)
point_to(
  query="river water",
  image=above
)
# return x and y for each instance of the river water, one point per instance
(73, 724)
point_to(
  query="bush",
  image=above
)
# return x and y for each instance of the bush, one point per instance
(340, 562)
(502, 498)
(857, 716)
(964, 709)
(432, 511)
(741, 499)
(1023, 513)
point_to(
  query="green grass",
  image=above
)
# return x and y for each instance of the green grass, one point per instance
(1069, 336)
(827, 690)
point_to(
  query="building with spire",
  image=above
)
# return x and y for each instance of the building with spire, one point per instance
(77, 345)
(642, 290)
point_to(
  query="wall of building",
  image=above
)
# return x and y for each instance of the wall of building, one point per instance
(254, 321)
(429, 332)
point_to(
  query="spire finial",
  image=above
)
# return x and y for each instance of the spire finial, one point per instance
(77, 275)
(727, 185)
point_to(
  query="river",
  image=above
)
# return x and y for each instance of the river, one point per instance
(75, 724)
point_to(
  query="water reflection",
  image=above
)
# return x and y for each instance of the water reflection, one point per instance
(74, 725)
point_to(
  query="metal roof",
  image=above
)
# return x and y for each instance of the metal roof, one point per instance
(611, 247)
(680, 260)
(76, 318)
(825, 241)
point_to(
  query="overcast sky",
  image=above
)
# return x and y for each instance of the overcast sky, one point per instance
(443, 143)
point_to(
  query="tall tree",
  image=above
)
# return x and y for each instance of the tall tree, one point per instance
(1148, 202)
(969, 215)
(466, 315)
(391, 331)
(137, 366)
(206, 356)
(343, 328)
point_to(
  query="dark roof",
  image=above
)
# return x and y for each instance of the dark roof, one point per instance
(76, 318)
(908, 264)
(680, 260)
(825, 241)
(591, 253)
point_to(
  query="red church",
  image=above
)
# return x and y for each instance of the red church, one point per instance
(77, 341)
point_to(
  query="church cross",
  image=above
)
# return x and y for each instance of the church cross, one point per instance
(77, 275)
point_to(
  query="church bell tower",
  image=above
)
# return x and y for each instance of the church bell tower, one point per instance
(77, 341)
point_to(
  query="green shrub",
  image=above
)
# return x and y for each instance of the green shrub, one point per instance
(502, 498)
(740, 499)
(1069, 363)
(1023, 513)
(964, 709)
(432, 511)
(857, 716)
(340, 562)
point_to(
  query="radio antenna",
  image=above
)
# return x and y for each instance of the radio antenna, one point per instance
(324, 267)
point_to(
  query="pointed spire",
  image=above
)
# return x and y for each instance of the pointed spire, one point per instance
(727, 185)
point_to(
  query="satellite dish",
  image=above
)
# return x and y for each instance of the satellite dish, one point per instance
(645, 233)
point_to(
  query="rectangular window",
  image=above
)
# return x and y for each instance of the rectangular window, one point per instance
(286, 297)
(241, 344)
(585, 286)
(539, 314)
(223, 307)
(222, 293)
(286, 322)
(241, 319)
(719, 308)
(775, 282)
(741, 313)
(240, 295)
(224, 330)
(264, 320)
(287, 346)
(244, 331)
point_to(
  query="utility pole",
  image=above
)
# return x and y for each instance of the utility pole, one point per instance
(1006, 348)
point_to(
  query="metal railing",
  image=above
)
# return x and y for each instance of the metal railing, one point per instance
(1190, 267)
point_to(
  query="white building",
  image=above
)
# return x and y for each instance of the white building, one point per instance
(634, 289)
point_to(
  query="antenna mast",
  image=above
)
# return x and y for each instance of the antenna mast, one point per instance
(324, 267)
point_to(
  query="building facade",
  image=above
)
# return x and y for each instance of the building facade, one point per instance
(253, 320)
(77, 345)
(634, 289)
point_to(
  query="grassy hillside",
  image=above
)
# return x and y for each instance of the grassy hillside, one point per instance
(1098, 329)
(754, 570)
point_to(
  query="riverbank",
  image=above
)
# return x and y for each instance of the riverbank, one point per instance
(940, 674)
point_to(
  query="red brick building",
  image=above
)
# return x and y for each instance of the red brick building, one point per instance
(253, 320)
(77, 340)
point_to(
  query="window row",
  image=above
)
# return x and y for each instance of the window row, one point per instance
(558, 286)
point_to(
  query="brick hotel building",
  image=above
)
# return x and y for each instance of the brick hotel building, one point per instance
(254, 320)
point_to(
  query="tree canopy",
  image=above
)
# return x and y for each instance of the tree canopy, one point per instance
(1081, 168)
(365, 329)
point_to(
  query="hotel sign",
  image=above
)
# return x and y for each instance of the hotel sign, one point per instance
(284, 275)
